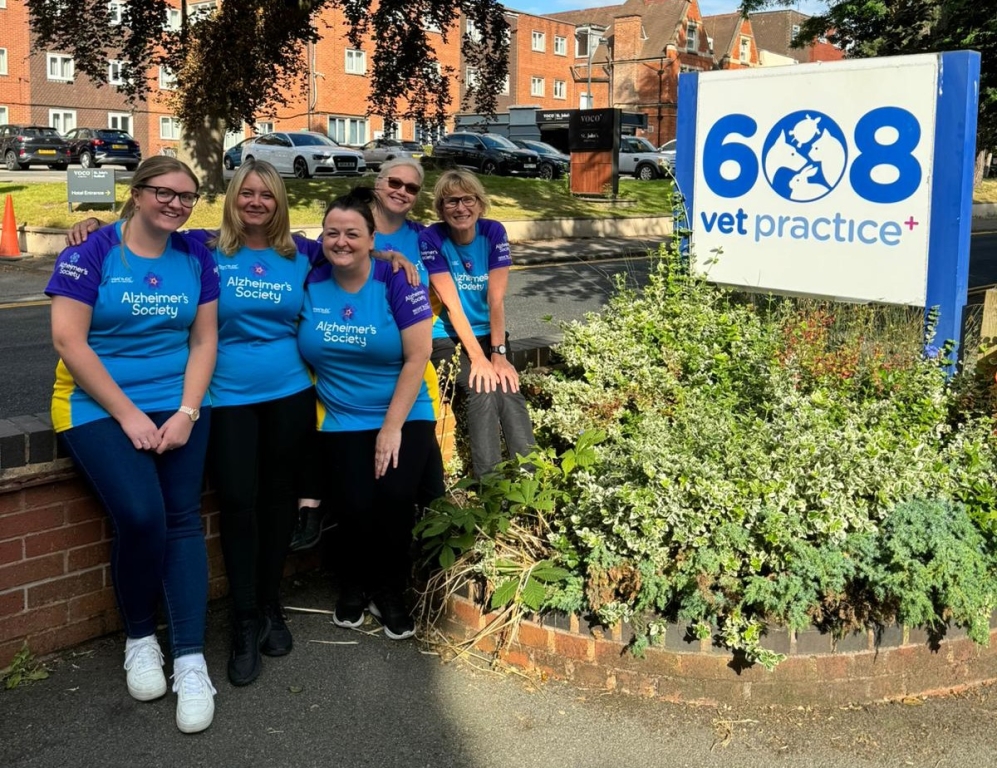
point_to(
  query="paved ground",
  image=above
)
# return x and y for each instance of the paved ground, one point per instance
(347, 698)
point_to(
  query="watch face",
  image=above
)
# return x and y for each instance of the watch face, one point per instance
(500, 349)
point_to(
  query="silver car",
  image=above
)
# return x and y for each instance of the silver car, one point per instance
(668, 150)
(304, 154)
(381, 150)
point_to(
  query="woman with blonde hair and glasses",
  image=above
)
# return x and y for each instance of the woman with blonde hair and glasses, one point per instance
(134, 322)
(468, 261)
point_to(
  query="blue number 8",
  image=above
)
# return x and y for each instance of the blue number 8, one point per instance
(897, 155)
(716, 153)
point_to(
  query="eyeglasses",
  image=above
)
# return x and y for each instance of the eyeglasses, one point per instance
(396, 183)
(165, 195)
(451, 203)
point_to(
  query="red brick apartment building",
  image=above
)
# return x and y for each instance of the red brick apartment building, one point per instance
(15, 79)
(774, 30)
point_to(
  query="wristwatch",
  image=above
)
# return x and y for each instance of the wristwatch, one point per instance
(194, 413)
(500, 349)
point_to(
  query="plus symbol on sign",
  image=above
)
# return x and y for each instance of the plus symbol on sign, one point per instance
(910, 223)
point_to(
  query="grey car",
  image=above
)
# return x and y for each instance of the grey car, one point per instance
(381, 150)
(22, 146)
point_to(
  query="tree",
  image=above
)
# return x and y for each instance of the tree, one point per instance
(232, 62)
(864, 28)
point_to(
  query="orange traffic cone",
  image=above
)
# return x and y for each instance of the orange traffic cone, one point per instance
(9, 248)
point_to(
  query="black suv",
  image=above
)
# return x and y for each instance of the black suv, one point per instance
(94, 147)
(487, 153)
(553, 163)
(25, 145)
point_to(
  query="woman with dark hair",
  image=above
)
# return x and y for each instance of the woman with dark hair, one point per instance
(134, 320)
(366, 335)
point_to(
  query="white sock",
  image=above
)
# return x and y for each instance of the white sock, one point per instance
(131, 642)
(188, 661)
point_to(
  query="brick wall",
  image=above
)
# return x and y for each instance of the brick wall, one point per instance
(15, 86)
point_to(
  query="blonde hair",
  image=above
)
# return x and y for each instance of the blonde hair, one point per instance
(157, 165)
(453, 183)
(232, 233)
(397, 162)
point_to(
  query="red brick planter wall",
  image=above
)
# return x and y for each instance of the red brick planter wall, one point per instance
(862, 668)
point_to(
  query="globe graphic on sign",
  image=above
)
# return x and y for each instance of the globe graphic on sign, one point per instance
(804, 156)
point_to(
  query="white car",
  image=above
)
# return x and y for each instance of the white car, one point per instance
(640, 158)
(304, 154)
(380, 151)
(668, 150)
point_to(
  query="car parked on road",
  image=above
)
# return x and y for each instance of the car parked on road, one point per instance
(94, 147)
(487, 153)
(232, 158)
(552, 162)
(304, 154)
(380, 151)
(668, 151)
(641, 158)
(22, 146)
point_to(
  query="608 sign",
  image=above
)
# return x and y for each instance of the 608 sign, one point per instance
(805, 156)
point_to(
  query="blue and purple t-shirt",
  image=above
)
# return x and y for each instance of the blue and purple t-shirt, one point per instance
(140, 326)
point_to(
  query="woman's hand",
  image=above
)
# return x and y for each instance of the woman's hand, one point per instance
(507, 375)
(483, 377)
(175, 432)
(400, 262)
(79, 231)
(141, 430)
(389, 441)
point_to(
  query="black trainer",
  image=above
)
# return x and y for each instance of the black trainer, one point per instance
(349, 608)
(312, 523)
(244, 662)
(278, 641)
(389, 608)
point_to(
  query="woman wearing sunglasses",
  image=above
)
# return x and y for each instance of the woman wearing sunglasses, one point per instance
(134, 320)
(468, 261)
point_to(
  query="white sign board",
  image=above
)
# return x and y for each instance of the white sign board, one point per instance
(825, 178)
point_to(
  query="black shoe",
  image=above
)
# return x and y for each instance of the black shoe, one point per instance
(244, 662)
(312, 523)
(349, 608)
(278, 641)
(389, 608)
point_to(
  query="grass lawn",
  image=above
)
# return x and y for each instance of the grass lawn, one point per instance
(44, 205)
(987, 192)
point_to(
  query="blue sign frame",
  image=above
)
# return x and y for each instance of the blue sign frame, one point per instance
(951, 191)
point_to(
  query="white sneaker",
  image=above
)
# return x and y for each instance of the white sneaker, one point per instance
(195, 698)
(144, 665)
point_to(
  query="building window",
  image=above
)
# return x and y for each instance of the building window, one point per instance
(169, 128)
(119, 121)
(115, 11)
(745, 54)
(356, 62)
(505, 87)
(690, 37)
(539, 41)
(263, 127)
(796, 31)
(4, 113)
(585, 44)
(429, 25)
(348, 130)
(114, 72)
(3, 61)
(473, 32)
(173, 18)
(63, 120)
(167, 80)
(560, 46)
(61, 67)
(560, 89)
(470, 77)
(536, 86)
(198, 11)
(3, 4)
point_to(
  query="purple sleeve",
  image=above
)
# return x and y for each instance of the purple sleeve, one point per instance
(311, 249)
(431, 249)
(210, 280)
(409, 305)
(79, 269)
(499, 255)
(201, 236)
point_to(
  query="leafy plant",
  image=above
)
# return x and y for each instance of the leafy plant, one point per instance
(22, 669)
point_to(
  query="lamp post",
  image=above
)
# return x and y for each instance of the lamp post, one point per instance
(592, 48)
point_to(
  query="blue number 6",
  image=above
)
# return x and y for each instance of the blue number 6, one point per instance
(717, 151)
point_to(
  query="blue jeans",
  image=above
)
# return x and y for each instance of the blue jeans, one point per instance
(154, 503)
(490, 415)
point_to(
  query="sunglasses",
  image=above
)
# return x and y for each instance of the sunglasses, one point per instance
(396, 183)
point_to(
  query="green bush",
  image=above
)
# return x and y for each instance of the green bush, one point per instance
(760, 461)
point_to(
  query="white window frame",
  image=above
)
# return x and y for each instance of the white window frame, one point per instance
(794, 31)
(4, 114)
(539, 41)
(347, 129)
(744, 52)
(536, 86)
(560, 89)
(62, 62)
(263, 127)
(429, 25)
(691, 36)
(472, 31)
(123, 120)
(173, 19)
(3, 4)
(167, 80)
(115, 12)
(560, 46)
(470, 77)
(355, 62)
(3, 61)
(197, 11)
(505, 87)
(169, 128)
(114, 72)
(66, 119)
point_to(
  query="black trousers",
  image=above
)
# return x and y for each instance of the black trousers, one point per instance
(376, 516)
(254, 455)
